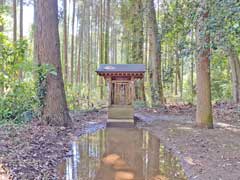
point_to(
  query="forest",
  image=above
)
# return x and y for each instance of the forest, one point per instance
(50, 51)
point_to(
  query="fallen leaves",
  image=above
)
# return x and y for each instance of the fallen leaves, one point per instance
(34, 150)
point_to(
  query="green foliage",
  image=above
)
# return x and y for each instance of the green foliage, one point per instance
(139, 104)
(18, 103)
(11, 59)
(21, 98)
(80, 98)
(220, 78)
(18, 99)
(3, 10)
(42, 72)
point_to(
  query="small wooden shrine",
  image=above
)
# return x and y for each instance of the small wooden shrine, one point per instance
(120, 80)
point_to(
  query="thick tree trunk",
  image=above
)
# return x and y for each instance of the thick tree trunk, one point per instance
(55, 111)
(65, 40)
(235, 70)
(155, 58)
(204, 116)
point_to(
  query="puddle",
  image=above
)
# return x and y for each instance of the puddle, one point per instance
(120, 154)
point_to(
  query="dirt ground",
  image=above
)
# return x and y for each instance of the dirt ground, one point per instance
(34, 150)
(205, 154)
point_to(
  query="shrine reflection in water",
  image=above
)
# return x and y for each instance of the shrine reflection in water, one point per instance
(118, 154)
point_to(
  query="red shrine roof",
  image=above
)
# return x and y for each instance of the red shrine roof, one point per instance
(115, 68)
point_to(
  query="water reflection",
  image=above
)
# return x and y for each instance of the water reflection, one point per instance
(120, 154)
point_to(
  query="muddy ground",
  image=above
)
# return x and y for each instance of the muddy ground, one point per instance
(34, 150)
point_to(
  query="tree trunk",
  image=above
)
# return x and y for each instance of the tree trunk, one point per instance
(89, 30)
(177, 73)
(204, 116)
(14, 20)
(235, 70)
(55, 111)
(21, 20)
(155, 58)
(80, 34)
(181, 80)
(35, 58)
(192, 68)
(21, 31)
(107, 32)
(65, 40)
(137, 44)
(101, 45)
(72, 46)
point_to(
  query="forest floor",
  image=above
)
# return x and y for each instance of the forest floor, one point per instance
(34, 150)
(205, 154)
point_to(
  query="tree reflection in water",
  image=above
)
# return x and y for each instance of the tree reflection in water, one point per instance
(120, 154)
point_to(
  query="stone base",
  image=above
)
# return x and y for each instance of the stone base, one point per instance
(123, 113)
(120, 120)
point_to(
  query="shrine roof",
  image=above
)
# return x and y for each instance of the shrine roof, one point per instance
(112, 68)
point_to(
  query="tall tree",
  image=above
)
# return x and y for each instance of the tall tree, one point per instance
(65, 40)
(192, 66)
(107, 32)
(35, 59)
(155, 57)
(72, 43)
(101, 47)
(235, 71)
(21, 31)
(55, 111)
(80, 41)
(137, 44)
(14, 20)
(21, 20)
(204, 116)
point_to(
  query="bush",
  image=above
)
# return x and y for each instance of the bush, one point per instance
(18, 103)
